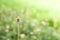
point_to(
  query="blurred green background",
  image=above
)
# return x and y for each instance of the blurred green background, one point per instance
(38, 20)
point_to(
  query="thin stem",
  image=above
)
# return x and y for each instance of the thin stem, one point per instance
(18, 31)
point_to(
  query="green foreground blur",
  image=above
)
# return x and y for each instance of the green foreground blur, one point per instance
(19, 20)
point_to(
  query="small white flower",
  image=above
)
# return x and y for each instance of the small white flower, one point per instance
(22, 35)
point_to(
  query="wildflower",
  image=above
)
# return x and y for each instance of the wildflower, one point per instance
(18, 18)
(22, 35)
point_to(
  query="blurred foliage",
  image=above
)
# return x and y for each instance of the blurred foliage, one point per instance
(34, 24)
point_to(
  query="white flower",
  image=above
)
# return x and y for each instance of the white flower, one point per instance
(22, 35)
